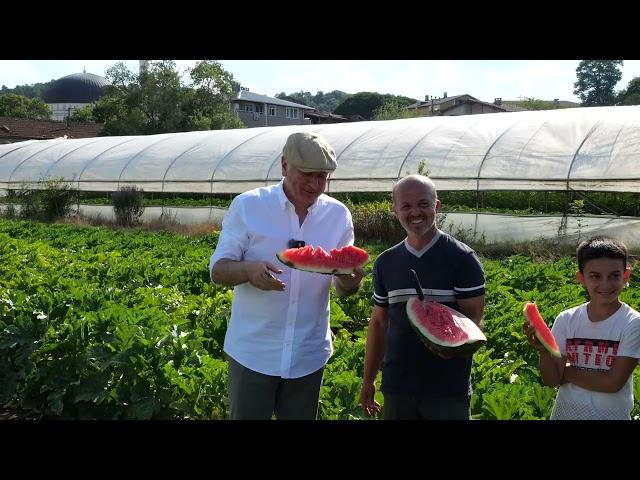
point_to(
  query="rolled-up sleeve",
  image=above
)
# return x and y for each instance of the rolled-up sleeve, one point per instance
(233, 239)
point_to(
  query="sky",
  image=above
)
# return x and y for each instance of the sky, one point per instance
(483, 79)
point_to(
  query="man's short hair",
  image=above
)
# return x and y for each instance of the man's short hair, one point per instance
(600, 247)
(309, 152)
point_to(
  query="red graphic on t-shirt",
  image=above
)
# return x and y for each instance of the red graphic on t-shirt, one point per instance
(592, 353)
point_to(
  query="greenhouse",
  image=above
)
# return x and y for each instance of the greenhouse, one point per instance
(578, 149)
(581, 148)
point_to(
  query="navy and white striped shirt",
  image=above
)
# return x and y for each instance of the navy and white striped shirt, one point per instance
(448, 270)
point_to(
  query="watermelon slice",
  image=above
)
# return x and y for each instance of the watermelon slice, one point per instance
(338, 261)
(444, 327)
(542, 330)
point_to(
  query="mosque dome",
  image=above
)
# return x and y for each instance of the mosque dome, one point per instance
(76, 88)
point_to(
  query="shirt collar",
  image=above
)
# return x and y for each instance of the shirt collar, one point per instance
(282, 198)
(419, 253)
(284, 201)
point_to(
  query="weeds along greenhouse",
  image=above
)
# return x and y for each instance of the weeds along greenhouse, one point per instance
(578, 149)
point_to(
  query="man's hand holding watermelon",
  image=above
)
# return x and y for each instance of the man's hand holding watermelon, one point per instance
(347, 284)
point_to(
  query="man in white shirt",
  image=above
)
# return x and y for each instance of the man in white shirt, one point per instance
(278, 340)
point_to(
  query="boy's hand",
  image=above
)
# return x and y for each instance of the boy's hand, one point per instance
(530, 333)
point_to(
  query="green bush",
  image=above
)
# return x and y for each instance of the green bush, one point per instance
(56, 199)
(128, 205)
(52, 201)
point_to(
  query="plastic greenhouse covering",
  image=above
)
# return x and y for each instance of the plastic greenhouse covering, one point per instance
(595, 148)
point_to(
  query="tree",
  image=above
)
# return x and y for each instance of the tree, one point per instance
(531, 103)
(156, 101)
(323, 102)
(365, 104)
(30, 91)
(399, 99)
(362, 103)
(631, 95)
(12, 105)
(301, 97)
(208, 107)
(596, 81)
(633, 99)
(392, 110)
(84, 114)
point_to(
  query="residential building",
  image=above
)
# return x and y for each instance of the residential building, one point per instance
(262, 111)
(457, 105)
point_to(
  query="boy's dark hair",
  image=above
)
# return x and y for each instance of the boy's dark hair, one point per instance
(600, 247)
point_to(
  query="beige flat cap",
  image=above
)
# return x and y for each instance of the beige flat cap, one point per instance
(309, 152)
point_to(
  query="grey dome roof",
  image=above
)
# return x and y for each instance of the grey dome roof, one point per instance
(76, 88)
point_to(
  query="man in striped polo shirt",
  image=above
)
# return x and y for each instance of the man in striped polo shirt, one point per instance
(419, 383)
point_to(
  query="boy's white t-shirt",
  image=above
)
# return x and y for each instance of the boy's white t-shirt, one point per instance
(594, 346)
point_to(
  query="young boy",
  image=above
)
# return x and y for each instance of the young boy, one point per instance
(599, 340)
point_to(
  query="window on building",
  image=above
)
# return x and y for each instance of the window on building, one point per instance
(248, 107)
(259, 108)
(272, 110)
(292, 112)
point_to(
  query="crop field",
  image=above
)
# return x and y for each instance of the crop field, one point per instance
(97, 323)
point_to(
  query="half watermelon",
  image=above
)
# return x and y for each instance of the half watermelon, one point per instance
(444, 327)
(337, 261)
(543, 334)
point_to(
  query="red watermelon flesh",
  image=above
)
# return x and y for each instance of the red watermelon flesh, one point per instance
(337, 261)
(444, 326)
(542, 330)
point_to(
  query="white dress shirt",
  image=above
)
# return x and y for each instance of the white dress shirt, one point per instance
(280, 333)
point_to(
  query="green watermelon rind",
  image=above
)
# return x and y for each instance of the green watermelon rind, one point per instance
(476, 338)
(324, 271)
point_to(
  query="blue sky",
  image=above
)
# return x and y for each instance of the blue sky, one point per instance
(484, 79)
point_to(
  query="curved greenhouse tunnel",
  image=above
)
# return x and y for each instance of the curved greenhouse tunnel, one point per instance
(578, 151)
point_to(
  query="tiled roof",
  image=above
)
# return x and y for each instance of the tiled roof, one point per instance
(438, 101)
(12, 128)
(477, 102)
(512, 107)
(326, 115)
